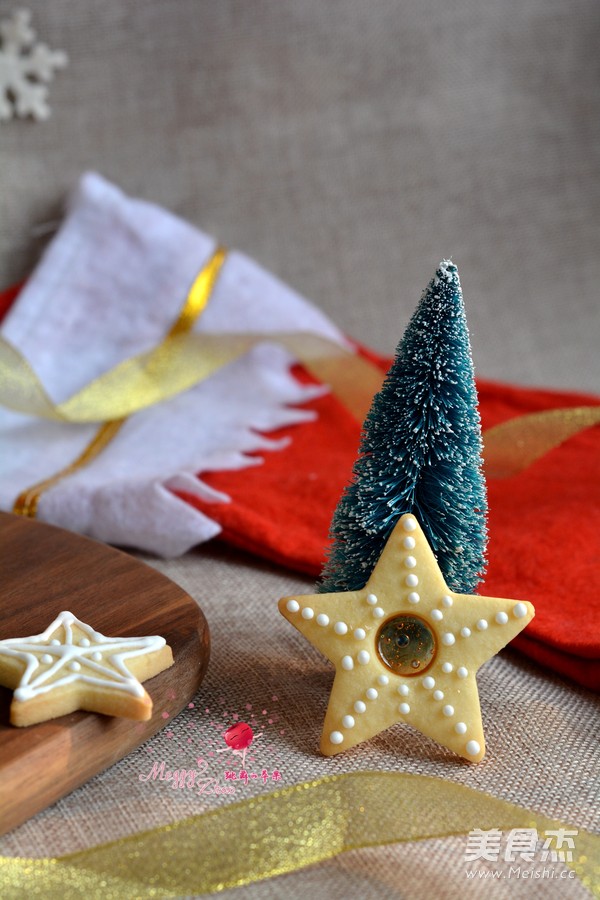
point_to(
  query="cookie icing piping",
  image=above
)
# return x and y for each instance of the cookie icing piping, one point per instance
(72, 662)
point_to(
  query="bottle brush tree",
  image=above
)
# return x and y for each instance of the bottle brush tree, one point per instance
(420, 452)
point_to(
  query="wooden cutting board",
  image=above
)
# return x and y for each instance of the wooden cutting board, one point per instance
(43, 571)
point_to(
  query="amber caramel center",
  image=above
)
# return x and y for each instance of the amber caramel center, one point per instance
(406, 644)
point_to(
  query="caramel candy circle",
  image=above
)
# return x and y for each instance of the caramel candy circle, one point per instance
(406, 644)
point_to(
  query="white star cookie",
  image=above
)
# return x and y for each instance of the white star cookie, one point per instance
(406, 648)
(70, 666)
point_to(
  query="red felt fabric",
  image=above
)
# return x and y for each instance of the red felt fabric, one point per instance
(544, 523)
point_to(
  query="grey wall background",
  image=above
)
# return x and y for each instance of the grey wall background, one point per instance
(348, 146)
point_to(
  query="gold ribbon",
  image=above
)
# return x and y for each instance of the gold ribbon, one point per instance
(184, 359)
(139, 379)
(28, 500)
(281, 832)
(196, 301)
(511, 447)
(180, 361)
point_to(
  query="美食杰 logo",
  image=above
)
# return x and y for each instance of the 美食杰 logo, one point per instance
(522, 853)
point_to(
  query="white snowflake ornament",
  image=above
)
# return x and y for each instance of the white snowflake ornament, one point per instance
(26, 67)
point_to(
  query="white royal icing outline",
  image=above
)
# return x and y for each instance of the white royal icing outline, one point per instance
(68, 655)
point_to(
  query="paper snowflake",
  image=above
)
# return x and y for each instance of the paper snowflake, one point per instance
(26, 66)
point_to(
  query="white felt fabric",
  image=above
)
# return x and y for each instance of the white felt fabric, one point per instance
(109, 286)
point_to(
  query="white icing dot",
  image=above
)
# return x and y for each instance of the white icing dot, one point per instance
(360, 707)
(482, 625)
(307, 612)
(347, 663)
(348, 722)
(403, 689)
(382, 679)
(336, 737)
(372, 694)
(84, 642)
(409, 543)
(447, 667)
(409, 524)
(322, 620)
(428, 682)
(413, 597)
(74, 666)
(448, 710)
(460, 728)
(501, 618)
(55, 642)
(472, 748)
(447, 601)
(372, 599)
(519, 610)
(462, 672)
(363, 657)
(292, 606)
(340, 628)
(360, 634)
(378, 612)
(96, 656)
(448, 639)
(438, 695)
(410, 562)
(47, 659)
(466, 632)
(437, 615)
(404, 708)
(411, 580)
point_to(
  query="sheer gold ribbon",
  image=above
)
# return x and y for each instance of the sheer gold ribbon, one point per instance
(178, 363)
(279, 833)
(184, 359)
(514, 445)
(196, 301)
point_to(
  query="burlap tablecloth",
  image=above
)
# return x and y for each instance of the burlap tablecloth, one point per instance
(349, 147)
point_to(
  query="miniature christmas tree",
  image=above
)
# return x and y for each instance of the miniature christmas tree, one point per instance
(420, 452)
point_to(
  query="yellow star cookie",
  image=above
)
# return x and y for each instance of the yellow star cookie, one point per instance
(406, 648)
(70, 666)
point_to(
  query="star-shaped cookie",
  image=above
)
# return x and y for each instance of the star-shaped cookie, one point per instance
(406, 648)
(70, 666)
